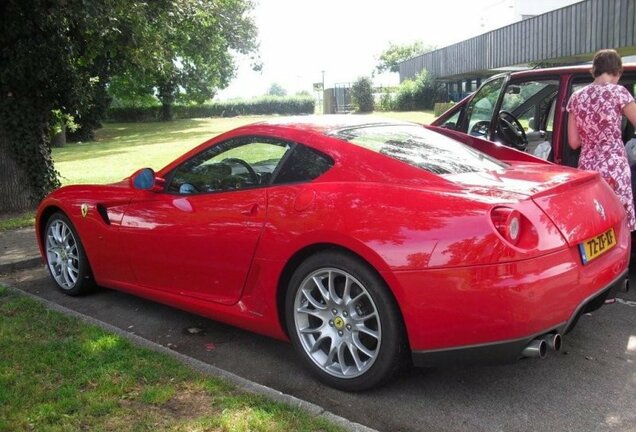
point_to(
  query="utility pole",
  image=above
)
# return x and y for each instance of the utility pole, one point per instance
(322, 95)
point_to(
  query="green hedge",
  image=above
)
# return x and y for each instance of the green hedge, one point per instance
(266, 105)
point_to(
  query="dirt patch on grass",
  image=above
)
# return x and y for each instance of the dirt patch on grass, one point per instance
(189, 403)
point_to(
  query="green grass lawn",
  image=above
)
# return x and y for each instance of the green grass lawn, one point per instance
(11, 222)
(122, 148)
(59, 374)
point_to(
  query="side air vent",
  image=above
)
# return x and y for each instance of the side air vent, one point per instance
(103, 213)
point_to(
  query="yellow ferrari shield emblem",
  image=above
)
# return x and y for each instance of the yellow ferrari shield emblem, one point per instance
(84, 210)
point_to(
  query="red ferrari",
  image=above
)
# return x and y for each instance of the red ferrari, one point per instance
(364, 242)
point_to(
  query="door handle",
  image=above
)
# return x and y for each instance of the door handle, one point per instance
(251, 210)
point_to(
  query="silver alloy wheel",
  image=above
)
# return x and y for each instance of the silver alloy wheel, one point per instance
(62, 255)
(337, 323)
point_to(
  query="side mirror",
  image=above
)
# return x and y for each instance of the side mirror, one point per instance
(145, 179)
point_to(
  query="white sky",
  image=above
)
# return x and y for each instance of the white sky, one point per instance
(301, 38)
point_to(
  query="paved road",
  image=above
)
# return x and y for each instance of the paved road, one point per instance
(589, 386)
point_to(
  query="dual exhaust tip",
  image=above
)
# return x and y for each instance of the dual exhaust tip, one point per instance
(539, 347)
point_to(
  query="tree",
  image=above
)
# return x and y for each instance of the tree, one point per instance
(362, 95)
(390, 58)
(110, 35)
(61, 55)
(276, 90)
(45, 45)
(56, 55)
(188, 50)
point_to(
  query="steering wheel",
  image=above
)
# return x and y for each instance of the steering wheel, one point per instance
(512, 130)
(253, 177)
(188, 188)
(480, 129)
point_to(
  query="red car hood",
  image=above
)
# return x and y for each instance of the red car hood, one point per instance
(579, 203)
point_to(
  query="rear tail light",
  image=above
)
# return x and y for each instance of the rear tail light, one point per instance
(508, 223)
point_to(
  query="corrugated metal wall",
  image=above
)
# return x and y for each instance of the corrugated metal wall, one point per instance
(569, 34)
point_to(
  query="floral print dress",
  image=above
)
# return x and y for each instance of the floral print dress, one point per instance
(598, 112)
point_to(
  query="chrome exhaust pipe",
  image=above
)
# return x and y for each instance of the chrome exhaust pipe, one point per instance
(553, 340)
(624, 288)
(536, 348)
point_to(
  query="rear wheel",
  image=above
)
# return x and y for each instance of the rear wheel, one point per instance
(344, 322)
(65, 256)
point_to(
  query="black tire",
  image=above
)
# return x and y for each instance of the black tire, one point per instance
(363, 360)
(66, 257)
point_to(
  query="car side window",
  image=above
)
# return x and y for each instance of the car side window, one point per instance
(478, 114)
(452, 121)
(303, 164)
(530, 107)
(239, 163)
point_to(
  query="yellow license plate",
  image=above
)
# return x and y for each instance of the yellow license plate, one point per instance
(597, 246)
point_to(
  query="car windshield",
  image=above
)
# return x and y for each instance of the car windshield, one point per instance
(421, 148)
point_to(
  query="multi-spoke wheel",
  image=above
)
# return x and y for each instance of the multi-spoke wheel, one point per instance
(65, 256)
(343, 321)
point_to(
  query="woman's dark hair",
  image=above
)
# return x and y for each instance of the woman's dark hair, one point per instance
(607, 60)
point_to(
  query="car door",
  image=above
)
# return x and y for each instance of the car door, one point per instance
(476, 118)
(525, 118)
(198, 237)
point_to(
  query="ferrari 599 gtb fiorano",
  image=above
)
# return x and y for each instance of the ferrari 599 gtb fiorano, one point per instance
(364, 242)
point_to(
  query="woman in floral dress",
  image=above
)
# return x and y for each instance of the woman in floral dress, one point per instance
(594, 125)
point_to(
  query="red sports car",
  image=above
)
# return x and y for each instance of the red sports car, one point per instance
(362, 241)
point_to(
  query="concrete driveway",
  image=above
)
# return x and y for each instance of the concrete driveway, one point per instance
(589, 386)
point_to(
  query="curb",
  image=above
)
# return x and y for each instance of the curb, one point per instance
(20, 265)
(240, 382)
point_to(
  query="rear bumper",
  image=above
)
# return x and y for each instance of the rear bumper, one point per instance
(467, 308)
(510, 351)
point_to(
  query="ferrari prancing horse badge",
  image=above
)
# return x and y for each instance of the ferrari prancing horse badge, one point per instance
(84, 210)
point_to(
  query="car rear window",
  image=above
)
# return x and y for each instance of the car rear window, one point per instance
(421, 148)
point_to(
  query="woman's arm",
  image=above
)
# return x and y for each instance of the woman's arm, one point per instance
(630, 112)
(573, 134)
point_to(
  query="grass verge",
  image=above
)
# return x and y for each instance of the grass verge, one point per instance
(59, 374)
(11, 222)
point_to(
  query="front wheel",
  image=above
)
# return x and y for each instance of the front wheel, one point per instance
(65, 256)
(344, 322)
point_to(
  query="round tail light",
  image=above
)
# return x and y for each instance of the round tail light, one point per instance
(508, 223)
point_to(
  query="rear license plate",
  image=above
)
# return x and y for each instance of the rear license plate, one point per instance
(597, 246)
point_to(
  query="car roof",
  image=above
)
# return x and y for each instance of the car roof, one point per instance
(586, 68)
(332, 124)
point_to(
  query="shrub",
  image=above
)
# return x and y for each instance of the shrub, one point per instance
(386, 101)
(293, 105)
(420, 93)
(406, 95)
(362, 95)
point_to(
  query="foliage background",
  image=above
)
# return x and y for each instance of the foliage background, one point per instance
(62, 54)
(362, 95)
